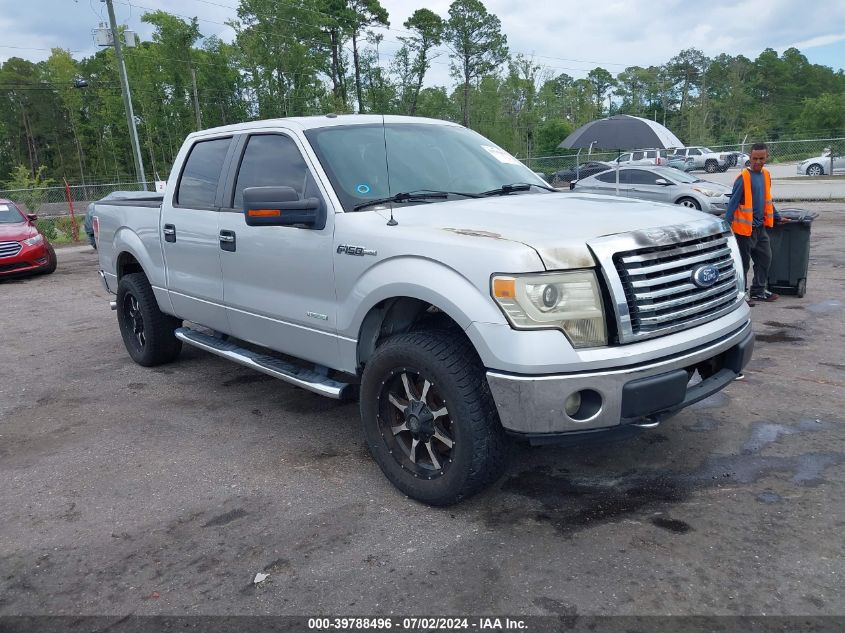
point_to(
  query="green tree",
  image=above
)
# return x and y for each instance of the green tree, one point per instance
(362, 14)
(824, 114)
(477, 42)
(415, 56)
(602, 82)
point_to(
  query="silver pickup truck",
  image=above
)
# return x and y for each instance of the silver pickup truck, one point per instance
(416, 266)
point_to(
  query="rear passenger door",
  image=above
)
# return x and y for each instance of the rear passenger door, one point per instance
(189, 236)
(278, 280)
(643, 186)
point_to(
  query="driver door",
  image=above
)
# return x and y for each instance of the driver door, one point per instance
(278, 281)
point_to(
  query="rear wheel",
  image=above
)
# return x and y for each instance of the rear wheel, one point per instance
(147, 332)
(815, 170)
(802, 287)
(690, 203)
(711, 166)
(429, 418)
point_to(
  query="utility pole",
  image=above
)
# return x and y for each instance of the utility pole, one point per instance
(127, 99)
(196, 99)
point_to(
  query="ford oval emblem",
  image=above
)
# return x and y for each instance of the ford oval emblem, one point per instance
(705, 276)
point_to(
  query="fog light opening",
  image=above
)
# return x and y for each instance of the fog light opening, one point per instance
(583, 405)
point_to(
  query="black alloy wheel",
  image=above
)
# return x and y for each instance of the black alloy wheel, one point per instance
(429, 418)
(415, 424)
(147, 332)
(135, 319)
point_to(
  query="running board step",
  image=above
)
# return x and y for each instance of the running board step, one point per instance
(276, 367)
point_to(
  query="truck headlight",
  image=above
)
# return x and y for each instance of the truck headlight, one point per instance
(568, 301)
(35, 239)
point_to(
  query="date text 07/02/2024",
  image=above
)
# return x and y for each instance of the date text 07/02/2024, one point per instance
(414, 623)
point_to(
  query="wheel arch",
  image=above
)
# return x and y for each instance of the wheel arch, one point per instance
(398, 315)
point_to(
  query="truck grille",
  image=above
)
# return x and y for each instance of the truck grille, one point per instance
(659, 290)
(9, 249)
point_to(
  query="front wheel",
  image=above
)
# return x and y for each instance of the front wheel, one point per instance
(815, 170)
(690, 203)
(429, 418)
(52, 261)
(147, 332)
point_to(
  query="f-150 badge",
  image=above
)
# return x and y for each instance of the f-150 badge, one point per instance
(359, 251)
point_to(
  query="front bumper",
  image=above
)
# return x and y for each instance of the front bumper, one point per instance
(28, 259)
(534, 406)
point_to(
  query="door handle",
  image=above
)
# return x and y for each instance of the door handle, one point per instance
(227, 240)
(169, 233)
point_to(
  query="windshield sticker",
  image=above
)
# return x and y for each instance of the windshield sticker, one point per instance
(363, 189)
(500, 155)
(4, 207)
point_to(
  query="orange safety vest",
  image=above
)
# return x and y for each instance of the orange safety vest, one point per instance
(744, 215)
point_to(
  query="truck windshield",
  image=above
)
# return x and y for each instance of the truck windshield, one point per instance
(9, 214)
(418, 157)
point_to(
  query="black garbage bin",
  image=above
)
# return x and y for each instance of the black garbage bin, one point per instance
(790, 243)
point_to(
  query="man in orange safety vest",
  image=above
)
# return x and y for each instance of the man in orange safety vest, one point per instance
(750, 212)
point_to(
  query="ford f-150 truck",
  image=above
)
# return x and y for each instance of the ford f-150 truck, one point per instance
(415, 265)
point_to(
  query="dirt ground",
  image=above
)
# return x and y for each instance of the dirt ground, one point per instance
(165, 491)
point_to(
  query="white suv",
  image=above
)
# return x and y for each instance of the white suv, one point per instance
(705, 158)
(642, 157)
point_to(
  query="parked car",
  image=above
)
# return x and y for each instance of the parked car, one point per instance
(705, 158)
(661, 184)
(462, 301)
(88, 224)
(680, 162)
(23, 249)
(739, 159)
(642, 157)
(569, 175)
(820, 165)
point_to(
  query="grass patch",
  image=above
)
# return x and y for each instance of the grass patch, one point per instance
(59, 229)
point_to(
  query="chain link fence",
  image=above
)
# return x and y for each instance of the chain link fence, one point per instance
(779, 152)
(53, 209)
(53, 201)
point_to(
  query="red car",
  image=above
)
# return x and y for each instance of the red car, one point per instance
(22, 248)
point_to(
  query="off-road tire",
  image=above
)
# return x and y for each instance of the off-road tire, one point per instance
(711, 166)
(137, 306)
(479, 452)
(52, 261)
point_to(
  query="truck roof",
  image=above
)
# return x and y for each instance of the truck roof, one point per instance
(329, 120)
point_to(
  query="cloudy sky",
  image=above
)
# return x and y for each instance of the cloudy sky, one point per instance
(564, 36)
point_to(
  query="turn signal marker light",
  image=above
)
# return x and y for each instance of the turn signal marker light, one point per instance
(504, 288)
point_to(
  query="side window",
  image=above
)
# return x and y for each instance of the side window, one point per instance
(198, 184)
(638, 155)
(694, 152)
(624, 158)
(273, 160)
(640, 177)
(610, 176)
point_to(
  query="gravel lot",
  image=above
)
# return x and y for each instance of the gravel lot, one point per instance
(164, 491)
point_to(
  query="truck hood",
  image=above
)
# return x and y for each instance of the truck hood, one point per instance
(557, 226)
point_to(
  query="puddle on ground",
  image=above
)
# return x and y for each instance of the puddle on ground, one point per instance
(573, 503)
(781, 336)
(790, 326)
(826, 307)
(769, 498)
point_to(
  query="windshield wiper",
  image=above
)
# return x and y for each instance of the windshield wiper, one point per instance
(516, 186)
(410, 196)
